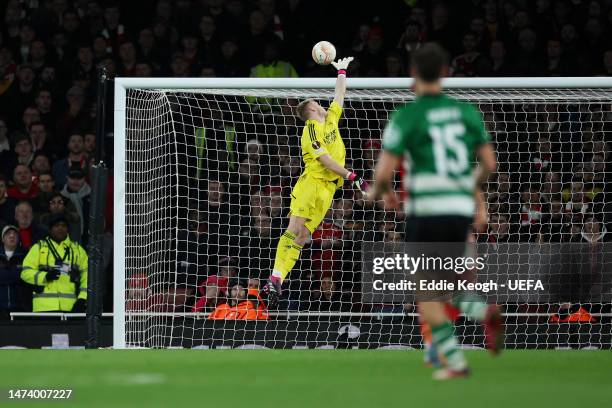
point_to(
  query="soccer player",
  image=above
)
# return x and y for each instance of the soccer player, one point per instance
(438, 137)
(324, 153)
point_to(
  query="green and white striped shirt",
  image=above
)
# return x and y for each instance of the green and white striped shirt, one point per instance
(437, 137)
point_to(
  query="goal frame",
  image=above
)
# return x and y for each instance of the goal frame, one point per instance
(123, 84)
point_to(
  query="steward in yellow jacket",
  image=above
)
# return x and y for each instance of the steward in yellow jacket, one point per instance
(57, 267)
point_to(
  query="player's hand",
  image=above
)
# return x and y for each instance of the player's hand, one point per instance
(481, 219)
(358, 182)
(342, 63)
(390, 202)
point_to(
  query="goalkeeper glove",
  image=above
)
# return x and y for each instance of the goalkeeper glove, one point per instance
(342, 64)
(358, 182)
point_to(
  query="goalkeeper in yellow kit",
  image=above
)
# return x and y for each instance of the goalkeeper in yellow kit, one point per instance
(324, 153)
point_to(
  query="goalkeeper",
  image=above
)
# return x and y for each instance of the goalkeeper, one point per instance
(323, 152)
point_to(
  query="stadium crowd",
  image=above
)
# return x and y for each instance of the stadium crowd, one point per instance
(551, 185)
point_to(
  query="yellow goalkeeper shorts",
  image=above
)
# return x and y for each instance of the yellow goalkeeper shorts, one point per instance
(311, 198)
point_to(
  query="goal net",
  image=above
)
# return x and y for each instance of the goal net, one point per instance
(203, 175)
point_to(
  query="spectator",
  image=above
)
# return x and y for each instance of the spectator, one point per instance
(127, 56)
(554, 224)
(441, 31)
(557, 64)
(142, 69)
(75, 117)
(499, 63)
(272, 66)
(210, 43)
(57, 265)
(531, 212)
(40, 165)
(372, 58)
(551, 188)
(327, 298)
(256, 244)
(39, 140)
(89, 144)
(544, 159)
(528, 61)
(25, 188)
(20, 95)
(394, 67)
(7, 205)
(410, 41)
(326, 241)
(259, 36)
(360, 39)
(38, 53)
(78, 192)
(147, 48)
(14, 295)
(30, 115)
(576, 201)
(464, 64)
(71, 26)
(114, 32)
(179, 67)
(190, 50)
(230, 62)
(239, 306)
(21, 154)
(498, 230)
(76, 158)
(214, 288)
(46, 187)
(343, 218)
(5, 146)
(84, 67)
(29, 233)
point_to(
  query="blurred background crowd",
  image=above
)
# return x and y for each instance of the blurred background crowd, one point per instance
(551, 185)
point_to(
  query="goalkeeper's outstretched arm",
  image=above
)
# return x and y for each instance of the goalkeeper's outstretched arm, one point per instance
(341, 65)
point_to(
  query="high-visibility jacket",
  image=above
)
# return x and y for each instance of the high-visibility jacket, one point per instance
(245, 310)
(242, 311)
(276, 69)
(580, 316)
(60, 294)
(262, 310)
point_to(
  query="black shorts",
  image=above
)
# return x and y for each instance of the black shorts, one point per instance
(440, 229)
(444, 228)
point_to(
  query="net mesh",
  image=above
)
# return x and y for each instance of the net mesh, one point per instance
(208, 176)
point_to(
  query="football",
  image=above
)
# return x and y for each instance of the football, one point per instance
(323, 53)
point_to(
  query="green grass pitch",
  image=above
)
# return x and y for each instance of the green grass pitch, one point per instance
(305, 378)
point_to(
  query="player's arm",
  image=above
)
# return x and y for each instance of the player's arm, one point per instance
(312, 145)
(329, 163)
(487, 161)
(341, 65)
(488, 164)
(384, 174)
(393, 150)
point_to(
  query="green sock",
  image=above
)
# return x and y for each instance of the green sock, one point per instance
(443, 337)
(471, 305)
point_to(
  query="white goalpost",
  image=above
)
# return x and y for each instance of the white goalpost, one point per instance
(203, 168)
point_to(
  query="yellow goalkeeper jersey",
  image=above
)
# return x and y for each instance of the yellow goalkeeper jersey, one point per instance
(323, 138)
